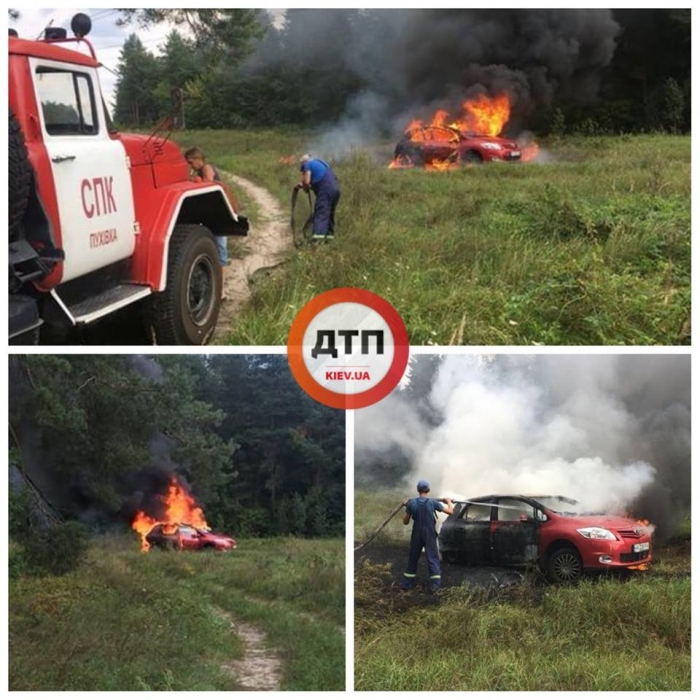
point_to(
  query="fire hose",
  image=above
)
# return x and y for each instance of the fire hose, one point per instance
(442, 500)
(301, 234)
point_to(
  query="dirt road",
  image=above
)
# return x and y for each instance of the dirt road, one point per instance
(266, 245)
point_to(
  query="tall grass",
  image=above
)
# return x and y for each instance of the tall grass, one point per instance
(602, 635)
(127, 621)
(592, 247)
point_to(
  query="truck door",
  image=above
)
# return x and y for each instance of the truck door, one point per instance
(514, 533)
(90, 169)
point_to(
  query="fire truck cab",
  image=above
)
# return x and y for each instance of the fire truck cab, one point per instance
(99, 220)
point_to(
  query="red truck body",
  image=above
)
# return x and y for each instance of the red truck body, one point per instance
(107, 217)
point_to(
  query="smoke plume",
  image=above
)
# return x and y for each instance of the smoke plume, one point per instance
(612, 432)
(396, 65)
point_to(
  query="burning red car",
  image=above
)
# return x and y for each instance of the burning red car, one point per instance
(550, 531)
(428, 145)
(179, 523)
(475, 136)
(188, 537)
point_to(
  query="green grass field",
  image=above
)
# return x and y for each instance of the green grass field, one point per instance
(162, 621)
(604, 634)
(592, 247)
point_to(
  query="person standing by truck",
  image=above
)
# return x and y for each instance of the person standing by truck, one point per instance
(205, 172)
(318, 176)
(423, 510)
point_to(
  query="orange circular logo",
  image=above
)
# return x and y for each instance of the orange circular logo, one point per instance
(348, 348)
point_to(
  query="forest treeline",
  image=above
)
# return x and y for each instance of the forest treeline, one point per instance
(249, 68)
(93, 438)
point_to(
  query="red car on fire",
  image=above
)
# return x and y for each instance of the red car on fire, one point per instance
(549, 531)
(446, 144)
(188, 537)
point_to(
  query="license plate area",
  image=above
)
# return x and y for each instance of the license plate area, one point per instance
(641, 547)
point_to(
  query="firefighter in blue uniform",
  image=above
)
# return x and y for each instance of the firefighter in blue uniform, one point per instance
(424, 512)
(319, 176)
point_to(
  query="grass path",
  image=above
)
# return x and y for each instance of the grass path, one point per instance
(264, 248)
(261, 667)
(265, 617)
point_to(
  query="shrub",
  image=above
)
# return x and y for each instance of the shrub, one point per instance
(57, 550)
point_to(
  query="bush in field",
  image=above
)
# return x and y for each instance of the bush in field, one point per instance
(672, 105)
(56, 550)
(555, 215)
(19, 515)
(254, 522)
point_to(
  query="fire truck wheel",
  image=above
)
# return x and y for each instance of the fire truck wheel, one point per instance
(19, 174)
(185, 313)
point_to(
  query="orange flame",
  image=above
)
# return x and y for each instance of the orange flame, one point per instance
(480, 116)
(287, 160)
(639, 567)
(484, 115)
(529, 151)
(441, 165)
(180, 508)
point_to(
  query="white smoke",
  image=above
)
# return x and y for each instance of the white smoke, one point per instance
(548, 425)
(501, 437)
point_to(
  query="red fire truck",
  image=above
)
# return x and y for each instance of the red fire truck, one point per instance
(101, 220)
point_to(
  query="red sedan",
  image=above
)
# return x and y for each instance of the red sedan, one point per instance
(188, 537)
(431, 144)
(549, 531)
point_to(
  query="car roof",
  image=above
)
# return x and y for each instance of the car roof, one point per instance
(53, 51)
(513, 495)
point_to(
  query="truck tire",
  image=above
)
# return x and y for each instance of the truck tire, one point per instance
(185, 313)
(19, 175)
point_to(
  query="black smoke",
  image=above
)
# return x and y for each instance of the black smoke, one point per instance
(534, 55)
(395, 65)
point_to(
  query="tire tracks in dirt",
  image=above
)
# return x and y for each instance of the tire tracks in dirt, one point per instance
(267, 243)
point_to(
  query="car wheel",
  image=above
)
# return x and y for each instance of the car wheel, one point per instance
(185, 313)
(472, 158)
(565, 566)
(413, 156)
(450, 557)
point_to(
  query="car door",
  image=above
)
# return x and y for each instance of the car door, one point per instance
(90, 169)
(471, 534)
(446, 143)
(189, 538)
(515, 531)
